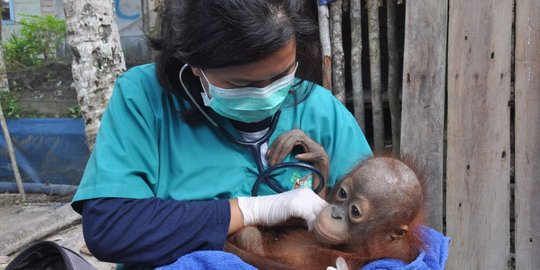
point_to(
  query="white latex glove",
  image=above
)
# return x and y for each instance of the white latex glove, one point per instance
(341, 264)
(275, 209)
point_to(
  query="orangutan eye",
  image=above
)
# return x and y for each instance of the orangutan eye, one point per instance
(342, 194)
(355, 212)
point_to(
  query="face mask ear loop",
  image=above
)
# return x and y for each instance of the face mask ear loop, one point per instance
(192, 99)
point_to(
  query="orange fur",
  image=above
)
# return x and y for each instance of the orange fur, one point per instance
(296, 248)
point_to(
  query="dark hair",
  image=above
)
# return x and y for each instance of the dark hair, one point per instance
(221, 33)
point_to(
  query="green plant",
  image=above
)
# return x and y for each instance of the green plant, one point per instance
(74, 111)
(37, 43)
(20, 52)
(10, 105)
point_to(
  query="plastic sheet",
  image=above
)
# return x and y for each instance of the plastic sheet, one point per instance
(325, 2)
(49, 151)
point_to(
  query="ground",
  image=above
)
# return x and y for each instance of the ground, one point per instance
(41, 217)
(44, 91)
(50, 82)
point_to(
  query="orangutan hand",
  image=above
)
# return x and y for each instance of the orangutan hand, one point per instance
(314, 153)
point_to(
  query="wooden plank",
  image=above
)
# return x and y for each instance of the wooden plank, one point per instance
(478, 156)
(377, 112)
(527, 134)
(422, 125)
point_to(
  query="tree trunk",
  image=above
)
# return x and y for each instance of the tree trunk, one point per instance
(324, 33)
(393, 76)
(375, 74)
(4, 85)
(356, 62)
(338, 57)
(145, 14)
(97, 57)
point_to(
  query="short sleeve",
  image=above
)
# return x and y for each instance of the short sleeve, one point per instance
(124, 161)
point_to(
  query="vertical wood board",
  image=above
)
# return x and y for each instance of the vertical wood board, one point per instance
(422, 125)
(478, 135)
(527, 134)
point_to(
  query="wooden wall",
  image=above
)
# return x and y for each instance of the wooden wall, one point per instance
(478, 133)
(481, 140)
(423, 96)
(527, 134)
(471, 120)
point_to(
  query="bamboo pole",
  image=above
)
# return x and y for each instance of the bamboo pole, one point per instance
(393, 77)
(11, 152)
(324, 33)
(4, 86)
(356, 62)
(375, 74)
(338, 57)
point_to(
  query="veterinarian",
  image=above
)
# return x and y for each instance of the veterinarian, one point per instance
(184, 138)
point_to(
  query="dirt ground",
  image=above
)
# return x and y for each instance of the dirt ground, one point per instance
(42, 217)
(48, 82)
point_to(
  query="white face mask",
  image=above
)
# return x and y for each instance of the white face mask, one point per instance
(248, 104)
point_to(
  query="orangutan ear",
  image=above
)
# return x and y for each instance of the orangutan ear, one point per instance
(399, 233)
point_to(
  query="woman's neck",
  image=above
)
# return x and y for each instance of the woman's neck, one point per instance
(252, 127)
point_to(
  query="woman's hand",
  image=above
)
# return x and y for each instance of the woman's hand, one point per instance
(341, 264)
(275, 209)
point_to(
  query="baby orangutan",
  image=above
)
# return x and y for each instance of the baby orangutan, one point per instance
(374, 212)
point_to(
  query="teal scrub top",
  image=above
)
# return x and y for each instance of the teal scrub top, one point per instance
(145, 149)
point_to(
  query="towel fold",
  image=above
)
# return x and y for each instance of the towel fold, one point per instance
(208, 260)
(432, 258)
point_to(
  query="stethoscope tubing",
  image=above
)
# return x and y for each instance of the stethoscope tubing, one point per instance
(264, 176)
(255, 146)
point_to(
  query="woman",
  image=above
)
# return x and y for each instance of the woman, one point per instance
(164, 179)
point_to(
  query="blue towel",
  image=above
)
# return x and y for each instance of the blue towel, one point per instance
(208, 260)
(433, 258)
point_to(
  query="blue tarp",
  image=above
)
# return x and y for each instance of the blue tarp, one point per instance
(49, 151)
(325, 2)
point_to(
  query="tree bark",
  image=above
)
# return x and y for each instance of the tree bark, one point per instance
(338, 57)
(145, 14)
(375, 74)
(393, 76)
(97, 57)
(356, 62)
(324, 33)
(4, 85)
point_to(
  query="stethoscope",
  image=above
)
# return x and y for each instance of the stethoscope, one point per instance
(255, 148)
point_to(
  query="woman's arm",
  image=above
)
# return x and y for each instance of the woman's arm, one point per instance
(152, 231)
(156, 232)
(237, 219)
